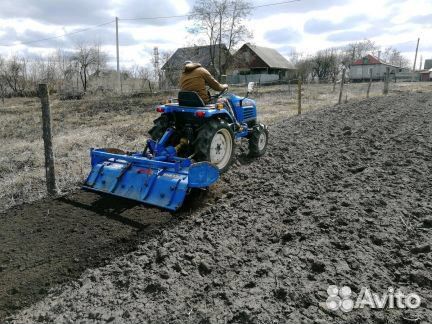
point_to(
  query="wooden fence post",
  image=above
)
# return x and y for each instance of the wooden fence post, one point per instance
(47, 138)
(386, 81)
(299, 96)
(341, 87)
(2, 92)
(370, 83)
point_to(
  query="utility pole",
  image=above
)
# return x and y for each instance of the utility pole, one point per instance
(118, 56)
(156, 65)
(415, 59)
(421, 62)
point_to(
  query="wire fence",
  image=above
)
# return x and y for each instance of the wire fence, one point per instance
(122, 120)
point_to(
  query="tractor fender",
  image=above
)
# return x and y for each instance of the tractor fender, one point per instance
(223, 114)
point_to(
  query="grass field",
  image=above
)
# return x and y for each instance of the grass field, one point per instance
(120, 121)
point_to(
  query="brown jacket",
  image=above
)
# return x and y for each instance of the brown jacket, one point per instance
(195, 78)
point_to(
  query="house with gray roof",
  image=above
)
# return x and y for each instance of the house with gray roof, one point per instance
(208, 56)
(257, 60)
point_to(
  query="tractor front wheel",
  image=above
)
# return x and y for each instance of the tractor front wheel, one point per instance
(215, 143)
(258, 140)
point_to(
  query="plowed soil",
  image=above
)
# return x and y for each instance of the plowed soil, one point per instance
(342, 197)
(54, 241)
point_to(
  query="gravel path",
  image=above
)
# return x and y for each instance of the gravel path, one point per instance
(343, 197)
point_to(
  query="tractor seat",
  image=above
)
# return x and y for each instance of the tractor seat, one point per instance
(190, 99)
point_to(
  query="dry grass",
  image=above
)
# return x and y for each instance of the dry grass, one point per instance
(276, 102)
(77, 126)
(118, 122)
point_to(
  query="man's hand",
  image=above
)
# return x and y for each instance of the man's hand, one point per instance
(225, 86)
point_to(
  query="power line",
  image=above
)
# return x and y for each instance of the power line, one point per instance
(59, 36)
(131, 19)
(275, 4)
(154, 18)
(191, 15)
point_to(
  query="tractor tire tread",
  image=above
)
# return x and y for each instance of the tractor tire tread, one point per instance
(160, 125)
(254, 150)
(204, 138)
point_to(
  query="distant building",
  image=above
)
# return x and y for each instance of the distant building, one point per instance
(428, 64)
(197, 54)
(260, 64)
(426, 75)
(359, 70)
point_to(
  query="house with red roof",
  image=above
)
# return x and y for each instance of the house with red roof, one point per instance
(360, 70)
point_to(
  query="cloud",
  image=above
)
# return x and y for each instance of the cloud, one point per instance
(60, 12)
(354, 35)
(85, 12)
(156, 41)
(405, 46)
(379, 28)
(102, 36)
(319, 26)
(293, 7)
(422, 20)
(283, 36)
(7, 35)
(286, 50)
(150, 8)
(411, 45)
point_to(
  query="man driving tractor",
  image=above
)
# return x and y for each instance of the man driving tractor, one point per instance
(195, 78)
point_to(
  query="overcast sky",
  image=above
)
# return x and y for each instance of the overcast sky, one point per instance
(306, 26)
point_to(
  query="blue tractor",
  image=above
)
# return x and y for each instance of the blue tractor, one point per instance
(191, 144)
(209, 132)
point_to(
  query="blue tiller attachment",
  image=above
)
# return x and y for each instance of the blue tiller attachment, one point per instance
(159, 179)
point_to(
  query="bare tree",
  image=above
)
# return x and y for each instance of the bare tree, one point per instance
(169, 76)
(295, 57)
(44, 69)
(3, 84)
(222, 21)
(326, 65)
(65, 66)
(88, 59)
(13, 74)
(101, 59)
(393, 56)
(305, 68)
(357, 50)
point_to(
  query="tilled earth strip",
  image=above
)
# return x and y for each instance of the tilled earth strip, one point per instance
(343, 197)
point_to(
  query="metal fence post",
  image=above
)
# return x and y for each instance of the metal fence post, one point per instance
(47, 138)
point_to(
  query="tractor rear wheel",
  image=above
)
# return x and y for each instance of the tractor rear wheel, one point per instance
(258, 140)
(161, 124)
(215, 144)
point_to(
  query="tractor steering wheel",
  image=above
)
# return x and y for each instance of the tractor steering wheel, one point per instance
(216, 96)
(221, 93)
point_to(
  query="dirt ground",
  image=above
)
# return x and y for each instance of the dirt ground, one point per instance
(52, 242)
(343, 197)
